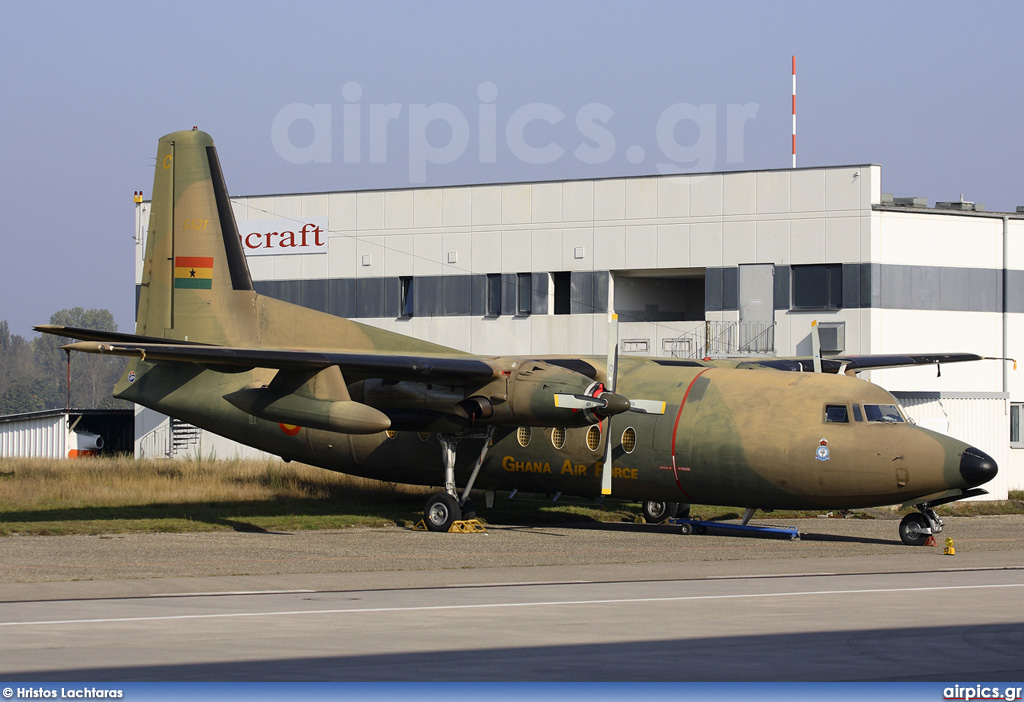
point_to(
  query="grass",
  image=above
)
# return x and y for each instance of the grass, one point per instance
(121, 494)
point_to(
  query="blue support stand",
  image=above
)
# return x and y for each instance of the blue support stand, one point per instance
(699, 526)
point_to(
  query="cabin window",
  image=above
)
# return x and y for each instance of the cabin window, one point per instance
(593, 437)
(629, 439)
(889, 414)
(857, 416)
(558, 437)
(836, 414)
(523, 435)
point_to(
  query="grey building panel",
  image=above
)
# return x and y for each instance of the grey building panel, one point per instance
(581, 290)
(426, 294)
(314, 294)
(600, 300)
(370, 298)
(509, 290)
(865, 285)
(458, 294)
(1015, 291)
(341, 297)
(870, 282)
(540, 283)
(265, 287)
(391, 291)
(954, 289)
(984, 290)
(713, 290)
(851, 285)
(894, 287)
(783, 274)
(731, 288)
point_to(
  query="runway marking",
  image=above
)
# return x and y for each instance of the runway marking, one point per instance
(499, 605)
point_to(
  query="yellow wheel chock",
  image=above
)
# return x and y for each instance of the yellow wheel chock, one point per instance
(463, 526)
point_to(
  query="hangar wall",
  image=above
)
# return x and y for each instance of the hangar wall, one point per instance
(536, 268)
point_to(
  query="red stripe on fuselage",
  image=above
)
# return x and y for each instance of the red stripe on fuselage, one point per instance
(675, 429)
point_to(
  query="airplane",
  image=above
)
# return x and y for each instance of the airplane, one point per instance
(331, 392)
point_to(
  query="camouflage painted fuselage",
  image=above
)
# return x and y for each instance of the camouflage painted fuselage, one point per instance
(331, 392)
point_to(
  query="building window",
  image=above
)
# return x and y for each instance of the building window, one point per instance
(1015, 412)
(818, 287)
(524, 294)
(563, 291)
(406, 302)
(493, 294)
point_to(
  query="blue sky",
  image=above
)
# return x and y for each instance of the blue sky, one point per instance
(929, 90)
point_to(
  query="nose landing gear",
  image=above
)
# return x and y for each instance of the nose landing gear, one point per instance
(917, 527)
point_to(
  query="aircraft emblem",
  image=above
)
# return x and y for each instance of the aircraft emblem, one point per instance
(131, 376)
(822, 453)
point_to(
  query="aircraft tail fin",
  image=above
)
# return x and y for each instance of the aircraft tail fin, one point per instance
(195, 281)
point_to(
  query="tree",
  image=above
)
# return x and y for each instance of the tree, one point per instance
(92, 375)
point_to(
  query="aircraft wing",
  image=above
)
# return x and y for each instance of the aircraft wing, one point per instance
(352, 364)
(858, 363)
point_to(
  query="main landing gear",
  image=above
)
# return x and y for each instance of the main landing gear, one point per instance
(443, 509)
(656, 511)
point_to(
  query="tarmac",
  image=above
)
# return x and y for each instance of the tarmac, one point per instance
(847, 601)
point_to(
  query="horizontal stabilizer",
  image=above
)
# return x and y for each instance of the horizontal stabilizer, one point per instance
(111, 336)
(345, 416)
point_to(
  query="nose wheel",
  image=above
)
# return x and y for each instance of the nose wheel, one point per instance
(917, 527)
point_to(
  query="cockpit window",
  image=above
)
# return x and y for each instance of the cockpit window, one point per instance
(883, 413)
(836, 413)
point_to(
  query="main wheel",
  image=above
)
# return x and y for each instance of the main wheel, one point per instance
(911, 529)
(441, 511)
(656, 512)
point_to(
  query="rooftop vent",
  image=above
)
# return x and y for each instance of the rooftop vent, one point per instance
(910, 201)
(962, 205)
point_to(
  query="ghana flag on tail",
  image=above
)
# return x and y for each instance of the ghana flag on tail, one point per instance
(195, 272)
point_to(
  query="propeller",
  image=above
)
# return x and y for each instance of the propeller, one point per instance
(605, 403)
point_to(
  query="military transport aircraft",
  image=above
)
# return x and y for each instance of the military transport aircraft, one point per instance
(328, 391)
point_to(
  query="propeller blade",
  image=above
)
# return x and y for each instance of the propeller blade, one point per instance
(579, 402)
(816, 346)
(613, 362)
(606, 469)
(613, 353)
(647, 406)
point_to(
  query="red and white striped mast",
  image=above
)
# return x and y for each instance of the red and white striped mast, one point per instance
(794, 112)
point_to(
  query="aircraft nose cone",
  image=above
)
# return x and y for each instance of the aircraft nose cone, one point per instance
(977, 467)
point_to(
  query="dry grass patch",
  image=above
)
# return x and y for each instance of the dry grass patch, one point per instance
(100, 495)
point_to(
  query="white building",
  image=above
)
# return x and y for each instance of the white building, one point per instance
(712, 264)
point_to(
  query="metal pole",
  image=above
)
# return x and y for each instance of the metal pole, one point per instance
(67, 404)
